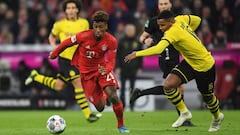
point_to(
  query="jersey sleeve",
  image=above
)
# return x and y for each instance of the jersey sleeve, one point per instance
(154, 50)
(111, 54)
(168, 38)
(66, 43)
(56, 29)
(192, 20)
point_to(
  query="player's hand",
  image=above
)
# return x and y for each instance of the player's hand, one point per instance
(102, 70)
(130, 57)
(148, 41)
(51, 56)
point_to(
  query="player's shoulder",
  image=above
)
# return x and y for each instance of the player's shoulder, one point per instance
(180, 16)
(152, 20)
(85, 33)
(82, 20)
(60, 21)
(184, 18)
(110, 36)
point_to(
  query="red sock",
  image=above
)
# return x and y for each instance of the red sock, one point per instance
(105, 98)
(118, 110)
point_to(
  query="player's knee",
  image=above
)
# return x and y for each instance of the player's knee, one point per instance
(113, 98)
(59, 86)
(181, 89)
(77, 83)
(168, 86)
(99, 108)
(100, 105)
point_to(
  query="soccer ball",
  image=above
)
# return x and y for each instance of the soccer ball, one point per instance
(56, 124)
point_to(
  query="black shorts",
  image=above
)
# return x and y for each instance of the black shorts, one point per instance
(67, 71)
(205, 80)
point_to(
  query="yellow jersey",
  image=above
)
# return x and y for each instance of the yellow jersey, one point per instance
(65, 29)
(181, 35)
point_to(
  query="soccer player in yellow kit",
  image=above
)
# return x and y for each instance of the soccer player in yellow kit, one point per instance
(64, 29)
(198, 64)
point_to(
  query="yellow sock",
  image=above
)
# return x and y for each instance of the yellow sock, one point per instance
(82, 101)
(46, 81)
(175, 97)
(216, 114)
(181, 106)
(213, 106)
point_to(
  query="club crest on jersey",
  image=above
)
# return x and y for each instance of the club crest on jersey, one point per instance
(104, 48)
(73, 39)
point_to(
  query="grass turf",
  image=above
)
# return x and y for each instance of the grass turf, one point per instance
(140, 123)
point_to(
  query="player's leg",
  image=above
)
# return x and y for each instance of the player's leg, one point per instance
(181, 90)
(137, 93)
(205, 83)
(110, 86)
(186, 123)
(157, 90)
(55, 83)
(94, 92)
(82, 101)
(51, 82)
(117, 107)
(132, 80)
(179, 75)
(70, 73)
(122, 89)
(173, 94)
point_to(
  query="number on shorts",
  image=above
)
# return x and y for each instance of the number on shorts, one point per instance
(110, 76)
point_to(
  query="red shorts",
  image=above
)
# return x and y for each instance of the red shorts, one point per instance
(93, 84)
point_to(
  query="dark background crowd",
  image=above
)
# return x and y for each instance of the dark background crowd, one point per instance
(29, 22)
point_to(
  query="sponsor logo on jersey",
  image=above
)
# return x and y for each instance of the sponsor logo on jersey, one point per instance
(87, 47)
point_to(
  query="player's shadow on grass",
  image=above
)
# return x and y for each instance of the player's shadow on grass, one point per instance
(154, 130)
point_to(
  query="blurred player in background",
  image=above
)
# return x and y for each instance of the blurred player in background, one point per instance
(198, 64)
(97, 76)
(167, 60)
(64, 29)
(129, 71)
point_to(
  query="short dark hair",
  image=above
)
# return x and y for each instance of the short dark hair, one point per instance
(100, 16)
(77, 3)
(165, 14)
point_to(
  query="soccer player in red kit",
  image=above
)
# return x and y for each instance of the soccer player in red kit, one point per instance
(96, 72)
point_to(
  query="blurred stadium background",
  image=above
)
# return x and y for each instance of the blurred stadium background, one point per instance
(26, 24)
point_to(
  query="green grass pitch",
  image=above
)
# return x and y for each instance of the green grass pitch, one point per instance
(140, 123)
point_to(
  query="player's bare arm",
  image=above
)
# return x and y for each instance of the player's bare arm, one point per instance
(130, 57)
(65, 44)
(52, 40)
(145, 39)
(102, 70)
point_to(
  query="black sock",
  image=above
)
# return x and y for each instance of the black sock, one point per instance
(157, 90)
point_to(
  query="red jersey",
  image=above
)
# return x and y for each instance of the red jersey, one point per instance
(91, 53)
